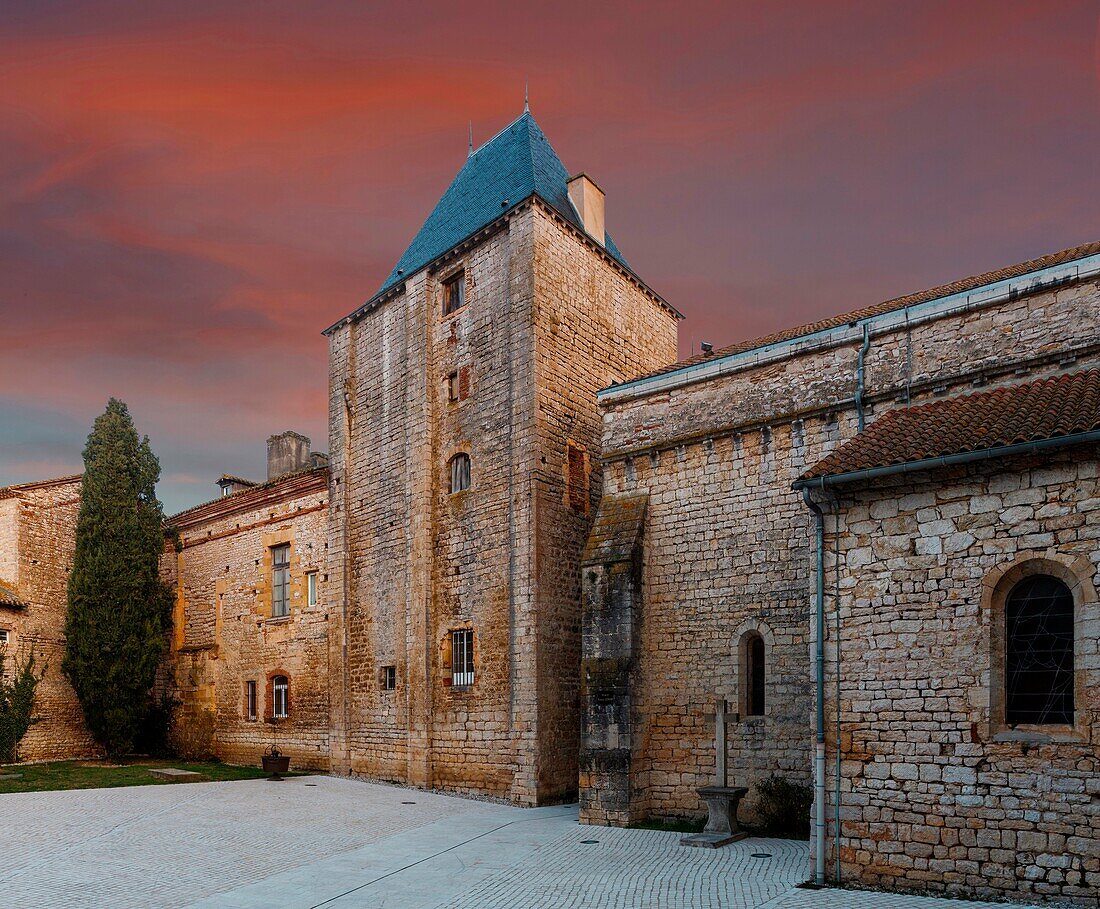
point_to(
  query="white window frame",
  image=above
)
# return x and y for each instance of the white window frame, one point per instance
(251, 704)
(280, 697)
(5, 637)
(462, 657)
(311, 588)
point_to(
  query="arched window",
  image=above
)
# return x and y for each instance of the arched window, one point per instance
(280, 697)
(1039, 652)
(755, 674)
(460, 472)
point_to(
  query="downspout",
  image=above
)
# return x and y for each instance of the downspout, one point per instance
(860, 372)
(819, 680)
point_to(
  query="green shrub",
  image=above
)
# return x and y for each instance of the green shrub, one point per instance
(154, 734)
(16, 707)
(783, 807)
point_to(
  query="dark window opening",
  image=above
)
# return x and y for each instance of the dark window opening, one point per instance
(462, 657)
(755, 676)
(454, 294)
(250, 699)
(460, 472)
(280, 580)
(1039, 652)
(389, 678)
(452, 387)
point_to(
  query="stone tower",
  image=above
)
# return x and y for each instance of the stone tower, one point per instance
(465, 440)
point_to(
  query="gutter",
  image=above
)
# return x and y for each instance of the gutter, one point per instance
(819, 683)
(838, 335)
(962, 457)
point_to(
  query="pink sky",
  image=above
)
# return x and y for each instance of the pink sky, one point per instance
(191, 192)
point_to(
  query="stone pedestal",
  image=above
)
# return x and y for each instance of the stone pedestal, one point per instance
(721, 828)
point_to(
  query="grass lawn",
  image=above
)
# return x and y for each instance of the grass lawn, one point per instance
(101, 775)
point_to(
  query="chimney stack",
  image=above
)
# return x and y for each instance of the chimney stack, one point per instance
(287, 452)
(588, 200)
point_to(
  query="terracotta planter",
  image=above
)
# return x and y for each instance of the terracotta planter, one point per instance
(276, 764)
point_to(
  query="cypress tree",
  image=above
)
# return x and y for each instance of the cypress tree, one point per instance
(119, 610)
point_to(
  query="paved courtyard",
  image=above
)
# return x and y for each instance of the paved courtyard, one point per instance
(316, 841)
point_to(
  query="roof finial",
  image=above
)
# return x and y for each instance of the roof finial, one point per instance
(470, 150)
(526, 105)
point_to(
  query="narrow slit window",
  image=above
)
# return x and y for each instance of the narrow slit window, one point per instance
(250, 699)
(460, 472)
(454, 294)
(1039, 653)
(755, 675)
(280, 580)
(452, 387)
(280, 697)
(311, 588)
(462, 657)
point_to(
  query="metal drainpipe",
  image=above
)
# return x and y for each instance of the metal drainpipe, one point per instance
(860, 373)
(819, 678)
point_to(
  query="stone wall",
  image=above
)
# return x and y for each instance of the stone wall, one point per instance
(38, 535)
(415, 562)
(936, 793)
(224, 634)
(727, 543)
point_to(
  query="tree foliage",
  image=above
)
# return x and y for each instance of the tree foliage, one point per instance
(16, 707)
(119, 610)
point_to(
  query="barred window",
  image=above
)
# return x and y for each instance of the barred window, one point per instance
(1039, 652)
(280, 580)
(462, 657)
(250, 699)
(460, 472)
(389, 678)
(280, 697)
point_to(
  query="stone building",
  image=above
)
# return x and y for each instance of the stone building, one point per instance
(962, 542)
(37, 538)
(250, 626)
(699, 576)
(464, 436)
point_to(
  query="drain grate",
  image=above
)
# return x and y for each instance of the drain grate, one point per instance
(589, 842)
(761, 855)
(408, 803)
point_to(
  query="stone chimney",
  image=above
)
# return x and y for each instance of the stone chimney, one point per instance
(287, 452)
(588, 200)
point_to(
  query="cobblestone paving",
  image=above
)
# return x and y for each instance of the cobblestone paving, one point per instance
(312, 842)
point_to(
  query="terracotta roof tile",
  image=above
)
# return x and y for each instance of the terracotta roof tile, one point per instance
(934, 293)
(10, 596)
(1047, 409)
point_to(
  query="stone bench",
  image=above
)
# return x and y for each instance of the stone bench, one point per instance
(721, 828)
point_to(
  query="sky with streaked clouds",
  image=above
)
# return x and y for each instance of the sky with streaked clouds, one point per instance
(190, 193)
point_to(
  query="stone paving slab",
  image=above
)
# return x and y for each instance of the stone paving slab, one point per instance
(318, 841)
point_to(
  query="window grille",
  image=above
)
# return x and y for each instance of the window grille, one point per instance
(280, 580)
(250, 699)
(280, 697)
(460, 472)
(4, 634)
(462, 657)
(454, 294)
(389, 678)
(1039, 652)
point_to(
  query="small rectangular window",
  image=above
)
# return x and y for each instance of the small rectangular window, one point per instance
(389, 678)
(280, 580)
(454, 294)
(250, 699)
(4, 634)
(280, 697)
(311, 588)
(452, 387)
(460, 472)
(462, 657)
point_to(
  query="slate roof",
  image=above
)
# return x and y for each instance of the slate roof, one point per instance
(962, 285)
(9, 596)
(516, 163)
(1035, 411)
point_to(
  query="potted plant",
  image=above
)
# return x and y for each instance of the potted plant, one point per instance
(274, 761)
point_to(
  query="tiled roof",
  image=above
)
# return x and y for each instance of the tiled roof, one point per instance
(9, 596)
(1035, 411)
(944, 290)
(512, 166)
(252, 492)
(240, 481)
